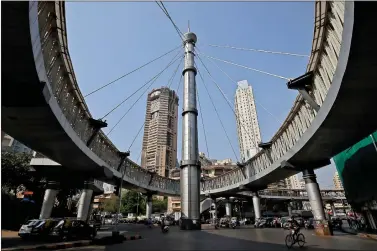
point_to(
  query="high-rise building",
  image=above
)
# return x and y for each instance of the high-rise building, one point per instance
(159, 151)
(247, 121)
(293, 182)
(302, 184)
(337, 182)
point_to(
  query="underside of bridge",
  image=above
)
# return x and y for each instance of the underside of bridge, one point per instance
(343, 118)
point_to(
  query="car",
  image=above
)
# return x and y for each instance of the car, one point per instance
(37, 228)
(73, 229)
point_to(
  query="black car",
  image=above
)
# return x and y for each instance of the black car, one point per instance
(73, 229)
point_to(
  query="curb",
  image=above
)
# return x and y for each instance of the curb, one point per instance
(368, 236)
(52, 246)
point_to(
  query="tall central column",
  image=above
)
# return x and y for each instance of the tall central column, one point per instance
(190, 165)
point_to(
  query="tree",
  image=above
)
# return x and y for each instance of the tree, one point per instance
(133, 202)
(159, 206)
(111, 205)
(15, 170)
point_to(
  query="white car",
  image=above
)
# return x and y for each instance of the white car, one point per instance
(25, 230)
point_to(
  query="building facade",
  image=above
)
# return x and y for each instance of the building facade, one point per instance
(247, 121)
(293, 182)
(337, 182)
(159, 150)
(209, 170)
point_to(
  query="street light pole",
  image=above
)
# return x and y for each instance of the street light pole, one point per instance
(120, 200)
(123, 157)
(137, 205)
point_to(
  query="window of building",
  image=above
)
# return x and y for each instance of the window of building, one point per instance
(154, 115)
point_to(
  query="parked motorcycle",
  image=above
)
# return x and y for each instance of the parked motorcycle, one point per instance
(308, 224)
(260, 223)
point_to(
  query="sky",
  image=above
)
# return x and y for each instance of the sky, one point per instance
(109, 39)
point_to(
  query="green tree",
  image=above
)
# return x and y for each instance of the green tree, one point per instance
(111, 205)
(159, 206)
(15, 170)
(133, 202)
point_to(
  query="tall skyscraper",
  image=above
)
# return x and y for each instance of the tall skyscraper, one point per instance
(159, 152)
(247, 121)
(337, 182)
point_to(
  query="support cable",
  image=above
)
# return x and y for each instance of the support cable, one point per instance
(142, 126)
(218, 116)
(125, 75)
(242, 66)
(152, 79)
(152, 82)
(232, 80)
(162, 7)
(256, 50)
(201, 116)
(228, 102)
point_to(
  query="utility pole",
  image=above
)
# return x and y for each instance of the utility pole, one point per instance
(115, 232)
(190, 165)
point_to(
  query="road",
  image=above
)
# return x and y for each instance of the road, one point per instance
(229, 239)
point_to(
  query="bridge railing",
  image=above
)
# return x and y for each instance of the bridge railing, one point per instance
(64, 87)
(323, 61)
(300, 193)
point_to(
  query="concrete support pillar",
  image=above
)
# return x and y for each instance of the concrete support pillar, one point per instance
(49, 199)
(333, 209)
(256, 204)
(314, 194)
(85, 201)
(370, 219)
(289, 209)
(228, 207)
(149, 207)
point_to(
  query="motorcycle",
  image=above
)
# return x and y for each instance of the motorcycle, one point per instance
(233, 225)
(165, 230)
(261, 223)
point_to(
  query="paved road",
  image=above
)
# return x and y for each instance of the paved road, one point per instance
(229, 239)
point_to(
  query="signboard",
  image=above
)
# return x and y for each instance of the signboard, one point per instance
(107, 188)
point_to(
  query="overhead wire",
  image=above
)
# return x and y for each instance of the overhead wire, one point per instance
(249, 68)
(169, 84)
(228, 102)
(162, 7)
(232, 80)
(128, 73)
(258, 50)
(151, 83)
(152, 79)
(218, 116)
(201, 118)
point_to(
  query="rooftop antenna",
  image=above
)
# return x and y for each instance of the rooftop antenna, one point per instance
(188, 25)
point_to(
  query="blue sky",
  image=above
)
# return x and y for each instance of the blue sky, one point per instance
(109, 39)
